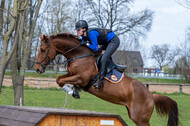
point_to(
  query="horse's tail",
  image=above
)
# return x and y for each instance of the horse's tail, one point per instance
(167, 106)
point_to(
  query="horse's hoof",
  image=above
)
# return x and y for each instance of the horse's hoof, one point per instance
(76, 94)
(60, 84)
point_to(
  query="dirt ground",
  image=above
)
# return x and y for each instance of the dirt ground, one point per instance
(48, 82)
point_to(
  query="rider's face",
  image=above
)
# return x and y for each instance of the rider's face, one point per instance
(80, 31)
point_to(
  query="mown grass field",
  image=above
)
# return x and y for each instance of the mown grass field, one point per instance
(58, 98)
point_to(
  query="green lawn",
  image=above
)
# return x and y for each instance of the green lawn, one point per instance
(58, 98)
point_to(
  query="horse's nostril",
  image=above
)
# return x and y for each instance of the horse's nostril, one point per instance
(37, 70)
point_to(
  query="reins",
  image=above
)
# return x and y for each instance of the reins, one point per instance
(67, 61)
(73, 48)
(74, 58)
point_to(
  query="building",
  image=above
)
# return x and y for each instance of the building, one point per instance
(132, 59)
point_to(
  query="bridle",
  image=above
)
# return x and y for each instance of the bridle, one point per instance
(45, 58)
(67, 61)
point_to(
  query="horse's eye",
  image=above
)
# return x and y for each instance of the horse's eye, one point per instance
(42, 50)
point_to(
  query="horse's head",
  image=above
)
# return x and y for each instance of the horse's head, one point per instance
(45, 54)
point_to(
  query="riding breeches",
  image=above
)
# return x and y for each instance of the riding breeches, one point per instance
(110, 49)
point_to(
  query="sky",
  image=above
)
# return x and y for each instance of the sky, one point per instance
(169, 23)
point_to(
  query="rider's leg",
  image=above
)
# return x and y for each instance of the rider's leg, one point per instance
(111, 48)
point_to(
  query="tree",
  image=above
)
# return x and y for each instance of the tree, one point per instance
(5, 54)
(163, 54)
(184, 3)
(78, 12)
(182, 65)
(116, 15)
(57, 17)
(2, 5)
(16, 64)
(17, 43)
(21, 52)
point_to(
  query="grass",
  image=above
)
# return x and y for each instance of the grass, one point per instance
(57, 98)
(54, 97)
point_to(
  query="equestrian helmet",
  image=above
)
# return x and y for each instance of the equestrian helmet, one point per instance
(81, 24)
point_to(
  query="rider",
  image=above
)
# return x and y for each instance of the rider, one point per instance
(98, 36)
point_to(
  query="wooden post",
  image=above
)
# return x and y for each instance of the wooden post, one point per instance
(180, 88)
(38, 84)
(147, 86)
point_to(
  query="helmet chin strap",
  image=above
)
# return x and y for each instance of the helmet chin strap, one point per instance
(83, 32)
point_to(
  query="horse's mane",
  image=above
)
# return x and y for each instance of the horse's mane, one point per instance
(65, 36)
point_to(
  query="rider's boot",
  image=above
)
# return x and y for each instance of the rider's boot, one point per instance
(102, 74)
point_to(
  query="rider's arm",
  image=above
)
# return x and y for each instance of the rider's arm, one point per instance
(93, 36)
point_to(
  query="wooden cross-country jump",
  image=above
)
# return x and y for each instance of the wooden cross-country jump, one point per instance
(41, 116)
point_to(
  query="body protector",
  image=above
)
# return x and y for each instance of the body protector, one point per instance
(102, 38)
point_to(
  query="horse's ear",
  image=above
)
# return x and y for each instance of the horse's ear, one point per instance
(41, 37)
(45, 38)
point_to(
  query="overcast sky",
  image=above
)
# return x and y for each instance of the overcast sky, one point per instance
(169, 23)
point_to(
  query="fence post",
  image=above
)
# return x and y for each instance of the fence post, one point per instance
(147, 86)
(38, 84)
(180, 88)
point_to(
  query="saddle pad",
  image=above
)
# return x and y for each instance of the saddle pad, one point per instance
(114, 76)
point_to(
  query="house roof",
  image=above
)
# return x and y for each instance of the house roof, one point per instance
(129, 58)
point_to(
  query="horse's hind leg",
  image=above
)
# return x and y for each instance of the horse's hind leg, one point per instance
(137, 117)
(140, 113)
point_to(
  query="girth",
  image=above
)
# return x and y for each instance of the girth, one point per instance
(110, 66)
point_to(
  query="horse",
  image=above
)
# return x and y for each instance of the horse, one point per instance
(81, 68)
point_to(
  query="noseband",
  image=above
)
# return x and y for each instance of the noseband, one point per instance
(45, 58)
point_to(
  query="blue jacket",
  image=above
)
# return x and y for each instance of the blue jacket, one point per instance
(93, 36)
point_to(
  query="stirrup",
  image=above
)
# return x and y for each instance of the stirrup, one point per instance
(98, 85)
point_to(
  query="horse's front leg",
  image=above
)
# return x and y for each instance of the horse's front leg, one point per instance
(75, 80)
(60, 77)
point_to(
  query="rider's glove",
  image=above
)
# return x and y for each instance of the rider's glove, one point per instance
(84, 42)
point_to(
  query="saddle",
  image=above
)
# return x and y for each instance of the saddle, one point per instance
(110, 65)
(114, 72)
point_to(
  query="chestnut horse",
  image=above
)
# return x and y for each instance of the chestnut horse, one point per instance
(128, 92)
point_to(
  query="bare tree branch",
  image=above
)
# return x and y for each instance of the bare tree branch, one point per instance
(184, 3)
(8, 12)
(115, 15)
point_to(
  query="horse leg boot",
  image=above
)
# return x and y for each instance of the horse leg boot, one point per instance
(76, 92)
(71, 90)
(101, 77)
